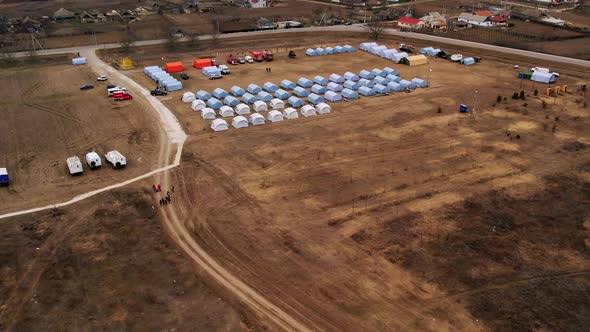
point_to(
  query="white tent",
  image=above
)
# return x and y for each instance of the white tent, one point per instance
(277, 104)
(260, 106)
(188, 97)
(256, 119)
(207, 114)
(334, 87)
(239, 122)
(219, 125)
(323, 108)
(198, 105)
(226, 111)
(542, 77)
(308, 110)
(242, 109)
(275, 116)
(290, 113)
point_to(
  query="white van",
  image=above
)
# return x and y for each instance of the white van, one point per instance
(111, 91)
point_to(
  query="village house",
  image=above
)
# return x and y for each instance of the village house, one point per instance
(473, 19)
(434, 20)
(63, 14)
(409, 23)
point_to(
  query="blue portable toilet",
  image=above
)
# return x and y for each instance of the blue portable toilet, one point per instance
(394, 78)
(351, 76)
(463, 108)
(270, 87)
(219, 93)
(295, 102)
(394, 86)
(236, 91)
(366, 74)
(318, 89)
(390, 71)
(366, 82)
(349, 94)
(288, 85)
(214, 103)
(4, 181)
(310, 52)
(314, 99)
(264, 96)
(282, 94)
(249, 98)
(381, 89)
(253, 88)
(320, 80)
(301, 92)
(231, 101)
(351, 85)
(203, 95)
(366, 91)
(304, 82)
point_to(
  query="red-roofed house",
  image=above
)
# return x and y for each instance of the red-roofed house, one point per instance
(499, 20)
(485, 13)
(409, 23)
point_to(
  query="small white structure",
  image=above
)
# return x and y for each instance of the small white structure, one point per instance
(226, 111)
(242, 109)
(277, 104)
(239, 122)
(93, 160)
(275, 116)
(74, 165)
(323, 108)
(260, 106)
(198, 105)
(290, 113)
(308, 110)
(219, 125)
(256, 119)
(116, 159)
(188, 97)
(208, 113)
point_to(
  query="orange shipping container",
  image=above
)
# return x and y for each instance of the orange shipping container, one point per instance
(202, 63)
(174, 67)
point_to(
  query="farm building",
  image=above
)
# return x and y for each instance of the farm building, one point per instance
(256, 119)
(366, 74)
(334, 87)
(260, 106)
(219, 125)
(381, 89)
(198, 105)
(253, 88)
(264, 96)
(308, 110)
(239, 122)
(207, 114)
(242, 109)
(249, 98)
(336, 78)
(270, 87)
(366, 91)
(236, 91)
(277, 104)
(320, 80)
(275, 116)
(316, 88)
(332, 96)
(351, 85)
(226, 111)
(290, 113)
(203, 95)
(295, 102)
(188, 97)
(301, 92)
(282, 94)
(323, 108)
(219, 93)
(304, 82)
(365, 82)
(202, 63)
(231, 101)
(214, 103)
(349, 94)
(314, 99)
(288, 85)
(174, 67)
(415, 60)
(351, 76)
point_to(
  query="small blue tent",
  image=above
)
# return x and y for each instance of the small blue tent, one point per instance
(366, 74)
(173, 85)
(380, 88)
(304, 82)
(381, 80)
(320, 80)
(336, 78)
(264, 96)
(390, 71)
(329, 50)
(211, 70)
(79, 61)
(236, 91)
(394, 78)
(214, 103)
(253, 88)
(270, 87)
(316, 88)
(332, 96)
(219, 93)
(351, 76)
(348, 48)
(282, 94)
(405, 84)
(295, 102)
(394, 86)
(231, 101)
(365, 82)
(203, 95)
(419, 83)
(288, 85)
(349, 94)
(249, 98)
(301, 92)
(378, 72)
(314, 99)
(365, 91)
(468, 61)
(338, 49)
(320, 51)
(334, 87)
(310, 52)
(351, 85)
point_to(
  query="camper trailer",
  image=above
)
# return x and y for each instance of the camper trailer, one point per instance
(74, 165)
(116, 159)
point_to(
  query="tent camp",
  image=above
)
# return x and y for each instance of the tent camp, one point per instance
(381, 80)
(320, 51)
(351, 76)
(198, 105)
(304, 82)
(249, 98)
(79, 61)
(316, 88)
(397, 57)
(314, 99)
(219, 125)
(378, 72)
(207, 114)
(256, 119)
(329, 50)
(260, 106)
(336, 78)
(288, 85)
(332, 96)
(323, 108)
(394, 78)
(375, 49)
(203, 95)
(226, 111)
(188, 97)
(290, 113)
(308, 110)
(282, 94)
(236, 91)
(365, 82)
(264, 96)
(394, 86)
(275, 116)
(320, 80)
(214, 103)
(366, 46)
(295, 102)
(253, 88)
(277, 104)
(419, 83)
(366, 91)
(334, 87)
(239, 122)
(468, 61)
(219, 93)
(270, 87)
(310, 52)
(405, 84)
(349, 94)
(366, 74)
(351, 85)
(415, 60)
(242, 109)
(381, 89)
(348, 48)
(231, 101)
(202, 63)
(541, 77)
(301, 92)
(211, 70)
(387, 54)
(338, 49)
(389, 71)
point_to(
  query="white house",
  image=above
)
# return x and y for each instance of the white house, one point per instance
(481, 21)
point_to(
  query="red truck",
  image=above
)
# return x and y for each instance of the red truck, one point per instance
(118, 96)
(232, 60)
(257, 56)
(267, 55)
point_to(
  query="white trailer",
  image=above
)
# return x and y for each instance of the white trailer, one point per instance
(74, 165)
(116, 159)
(93, 160)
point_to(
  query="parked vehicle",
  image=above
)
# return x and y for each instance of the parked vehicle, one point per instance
(292, 54)
(87, 87)
(4, 177)
(116, 159)
(215, 76)
(224, 69)
(232, 60)
(158, 92)
(406, 48)
(74, 165)
(118, 96)
(184, 76)
(93, 160)
(111, 91)
(257, 56)
(267, 55)
(214, 63)
(241, 60)
(101, 78)
(249, 59)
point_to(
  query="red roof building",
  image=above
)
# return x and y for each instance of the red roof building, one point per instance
(409, 22)
(499, 20)
(485, 13)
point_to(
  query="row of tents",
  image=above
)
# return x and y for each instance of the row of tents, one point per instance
(329, 50)
(257, 119)
(437, 52)
(162, 78)
(220, 99)
(393, 54)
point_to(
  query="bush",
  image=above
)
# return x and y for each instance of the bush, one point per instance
(522, 96)
(505, 99)
(499, 98)
(439, 110)
(525, 104)
(544, 104)
(536, 92)
(515, 95)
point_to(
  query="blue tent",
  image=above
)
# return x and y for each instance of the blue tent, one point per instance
(390, 71)
(378, 72)
(332, 96)
(211, 70)
(203, 95)
(468, 61)
(394, 78)
(237, 91)
(320, 51)
(336, 78)
(351, 85)
(320, 80)
(173, 85)
(349, 94)
(301, 92)
(282, 94)
(270, 87)
(380, 88)
(365, 91)
(219, 93)
(231, 101)
(79, 61)
(348, 48)
(295, 102)
(365, 82)
(334, 87)
(286, 84)
(394, 86)
(249, 98)
(304, 82)
(351, 76)
(405, 84)
(316, 88)
(310, 52)
(338, 49)
(314, 99)
(419, 83)
(381, 80)
(264, 96)
(214, 103)
(149, 69)
(329, 50)
(253, 88)
(366, 74)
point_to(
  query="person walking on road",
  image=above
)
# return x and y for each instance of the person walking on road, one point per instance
(159, 188)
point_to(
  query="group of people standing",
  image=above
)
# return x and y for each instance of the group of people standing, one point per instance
(166, 199)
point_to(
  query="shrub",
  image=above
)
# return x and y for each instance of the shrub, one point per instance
(525, 104)
(515, 95)
(536, 92)
(439, 110)
(505, 99)
(544, 104)
(499, 98)
(522, 95)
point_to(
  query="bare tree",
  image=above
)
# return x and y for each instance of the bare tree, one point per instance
(127, 40)
(375, 28)
(193, 38)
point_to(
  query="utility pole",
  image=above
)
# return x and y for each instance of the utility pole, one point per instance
(474, 104)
